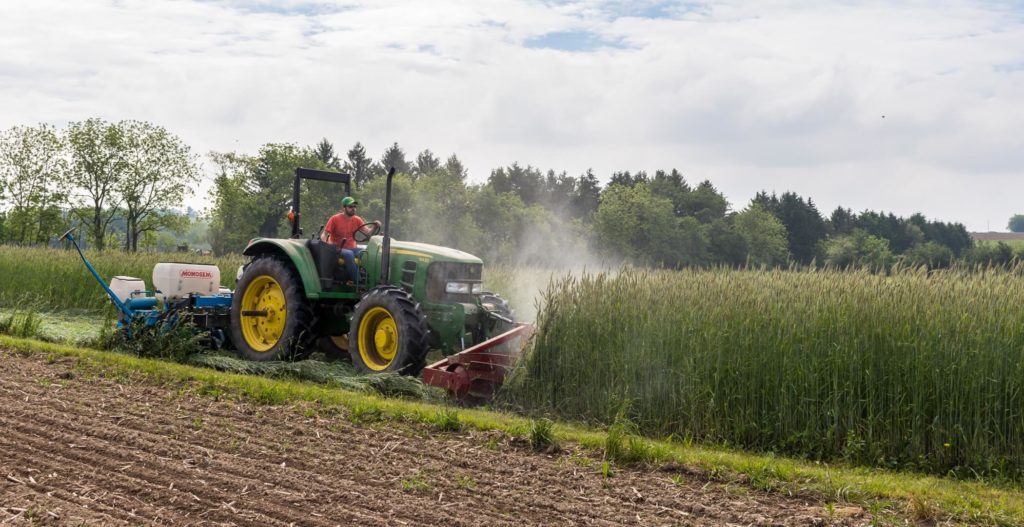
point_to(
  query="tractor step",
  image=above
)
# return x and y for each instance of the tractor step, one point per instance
(475, 374)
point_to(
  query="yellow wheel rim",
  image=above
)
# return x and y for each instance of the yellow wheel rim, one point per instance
(340, 341)
(264, 297)
(378, 339)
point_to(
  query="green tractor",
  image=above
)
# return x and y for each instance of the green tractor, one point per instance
(293, 297)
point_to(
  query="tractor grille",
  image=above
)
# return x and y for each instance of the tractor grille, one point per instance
(439, 273)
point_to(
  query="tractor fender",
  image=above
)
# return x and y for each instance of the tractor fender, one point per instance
(290, 250)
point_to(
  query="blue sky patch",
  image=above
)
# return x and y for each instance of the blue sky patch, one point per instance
(286, 8)
(573, 41)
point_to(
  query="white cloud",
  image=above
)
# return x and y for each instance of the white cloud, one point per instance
(776, 96)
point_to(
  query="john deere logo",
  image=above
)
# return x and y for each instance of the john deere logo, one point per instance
(191, 273)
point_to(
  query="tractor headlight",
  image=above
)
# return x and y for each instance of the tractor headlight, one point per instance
(478, 288)
(461, 288)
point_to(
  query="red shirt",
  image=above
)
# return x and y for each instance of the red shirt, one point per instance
(341, 226)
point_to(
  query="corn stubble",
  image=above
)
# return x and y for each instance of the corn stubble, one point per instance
(910, 370)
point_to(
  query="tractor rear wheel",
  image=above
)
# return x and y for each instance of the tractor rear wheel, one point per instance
(389, 333)
(270, 316)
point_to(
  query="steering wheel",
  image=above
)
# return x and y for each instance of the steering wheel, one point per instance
(361, 236)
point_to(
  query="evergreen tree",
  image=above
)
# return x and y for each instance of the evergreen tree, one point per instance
(394, 156)
(455, 169)
(324, 151)
(426, 164)
(358, 165)
(586, 196)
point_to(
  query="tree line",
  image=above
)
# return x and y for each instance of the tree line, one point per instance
(95, 174)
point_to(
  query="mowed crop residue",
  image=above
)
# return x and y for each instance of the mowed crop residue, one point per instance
(913, 370)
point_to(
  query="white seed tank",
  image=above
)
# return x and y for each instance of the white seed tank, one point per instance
(124, 286)
(176, 280)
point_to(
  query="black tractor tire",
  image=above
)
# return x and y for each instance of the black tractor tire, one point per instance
(270, 315)
(389, 333)
(334, 347)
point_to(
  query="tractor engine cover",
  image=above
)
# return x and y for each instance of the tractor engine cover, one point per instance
(176, 280)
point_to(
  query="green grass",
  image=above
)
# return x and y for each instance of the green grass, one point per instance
(57, 279)
(915, 370)
(875, 489)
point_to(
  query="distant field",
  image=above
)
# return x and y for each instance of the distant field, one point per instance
(1015, 244)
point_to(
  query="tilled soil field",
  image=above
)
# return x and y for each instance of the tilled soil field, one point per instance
(84, 449)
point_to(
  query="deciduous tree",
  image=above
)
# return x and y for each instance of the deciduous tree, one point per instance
(32, 165)
(159, 172)
(96, 164)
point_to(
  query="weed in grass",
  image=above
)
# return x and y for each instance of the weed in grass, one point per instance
(581, 460)
(465, 482)
(492, 443)
(364, 414)
(678, 480)
(606, 470)
(197, 424)
(415, 484)
(447, 420)
(920, 509)
(542, 434)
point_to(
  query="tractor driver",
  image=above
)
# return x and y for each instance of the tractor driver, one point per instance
(341, 229)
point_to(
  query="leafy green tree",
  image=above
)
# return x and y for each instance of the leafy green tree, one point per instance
(900, 233)
(705, 203)
(858, 249)
(358, 165)
(634, 223)
(96, 164)
(1016, 223)
(932, 255)
(671, 185)
(989, 254)
(764, 236)
(253, 194)
(31, 168)
(159, 171)
(725, 245)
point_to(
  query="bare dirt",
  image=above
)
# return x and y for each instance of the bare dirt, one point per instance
(84, 449)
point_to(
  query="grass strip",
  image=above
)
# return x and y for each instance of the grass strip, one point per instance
(923, 497)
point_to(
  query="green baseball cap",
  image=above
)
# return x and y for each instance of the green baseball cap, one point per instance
(348, 201)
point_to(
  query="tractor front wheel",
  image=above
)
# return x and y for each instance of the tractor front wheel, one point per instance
(389, 333)
(270, 316)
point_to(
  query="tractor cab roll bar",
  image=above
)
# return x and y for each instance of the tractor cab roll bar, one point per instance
(319, 175)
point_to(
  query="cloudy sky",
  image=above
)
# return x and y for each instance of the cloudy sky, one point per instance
(904, 107)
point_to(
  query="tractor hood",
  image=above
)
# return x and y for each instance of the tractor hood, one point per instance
(426, 251)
